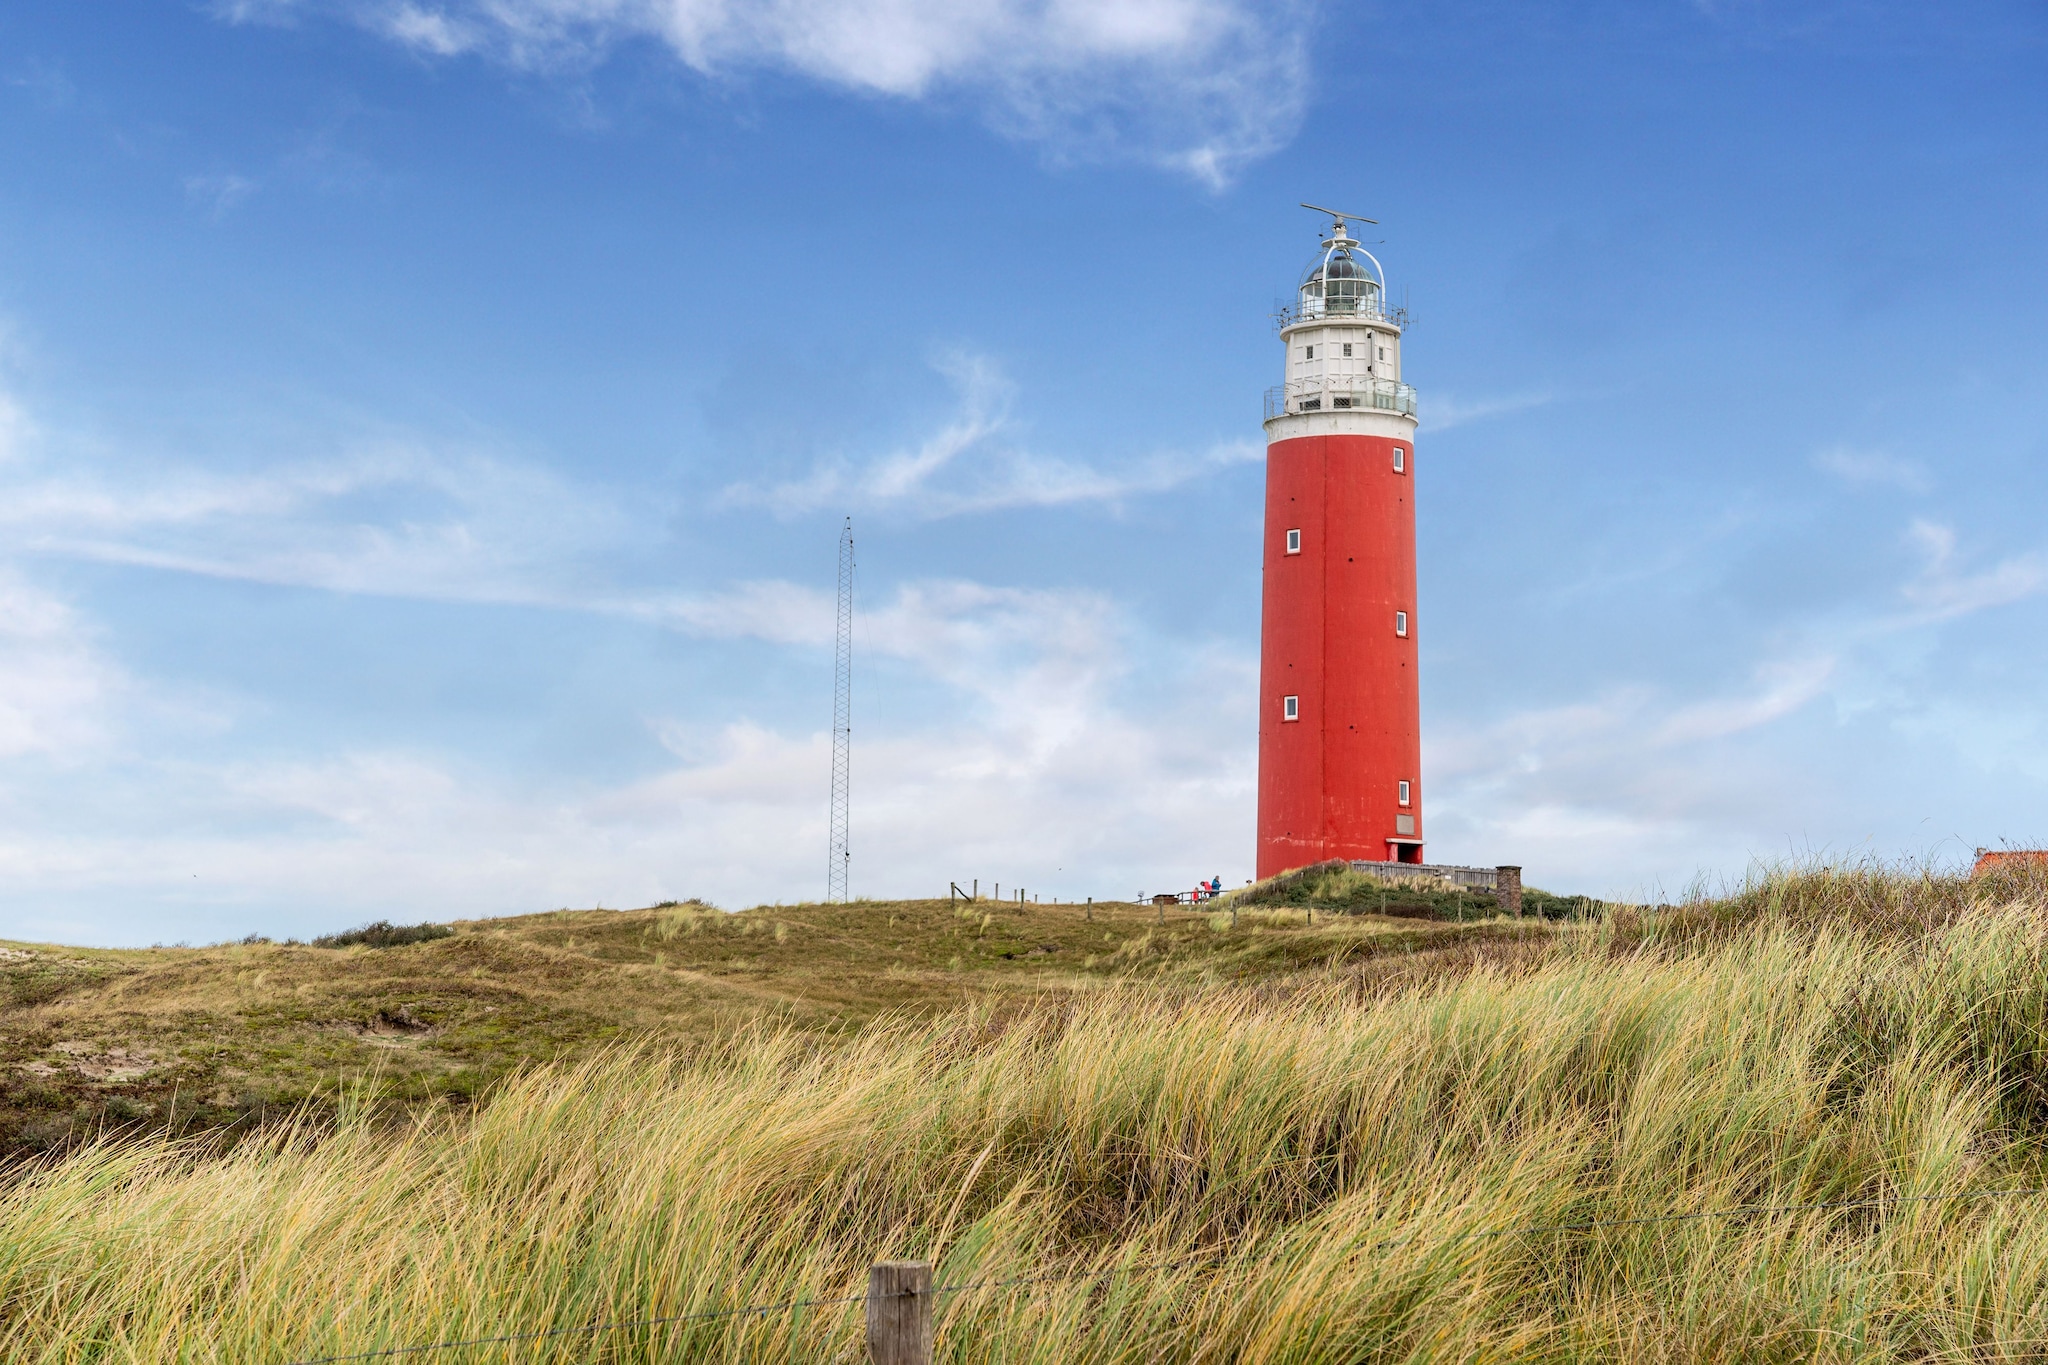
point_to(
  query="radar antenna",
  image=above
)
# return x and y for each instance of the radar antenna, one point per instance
(1343, 218)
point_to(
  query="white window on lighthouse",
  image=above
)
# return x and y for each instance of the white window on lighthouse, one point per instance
(1404, 793)
(1347, 348)
(1294, 542)
(1400, 460)
(1290, 708)
(1309, 353)
(1401, 623)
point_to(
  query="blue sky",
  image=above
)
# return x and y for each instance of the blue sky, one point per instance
(424, 429)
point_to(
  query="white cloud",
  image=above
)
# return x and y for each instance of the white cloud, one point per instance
(1620, 788)
(1008, 651)
(393, 519)
(971, 464)
(216, 194)
(277, 12)
(399, 518)
(15, 429)
(429, 31)
(1441, 412)
(1782, 687)
(1200, 85)
(1613, 792)
(54, 685)
(46, 84)
(1942, 591)
(1042, 746)
(1624, 725)
(1036, 754)
(1032, 768)
(782, 613)
(1873, 467)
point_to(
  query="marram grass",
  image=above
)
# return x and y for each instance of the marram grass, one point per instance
(1312, 1168)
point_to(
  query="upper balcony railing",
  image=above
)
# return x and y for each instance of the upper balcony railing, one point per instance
(1339, 393)
(1368, 309)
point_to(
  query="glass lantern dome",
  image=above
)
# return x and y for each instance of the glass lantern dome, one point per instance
(1341, 281)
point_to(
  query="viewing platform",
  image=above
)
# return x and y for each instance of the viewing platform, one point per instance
(1367, 307)
(1339, 393)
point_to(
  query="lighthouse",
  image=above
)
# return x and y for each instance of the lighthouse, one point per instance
(1340, 714)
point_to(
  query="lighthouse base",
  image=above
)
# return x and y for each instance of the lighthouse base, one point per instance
(1340, 713)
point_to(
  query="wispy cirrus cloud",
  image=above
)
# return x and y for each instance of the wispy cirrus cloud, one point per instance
(1041, 745)
(391, 519)
(1873, 467)
(1631, 724)
(1027, 764)
(1026, 755)
(1441, 412)
(55, 683)
(1633, 776)
(1203, 86)
(216, 195)
(981, 638)
(1944, 589)
(973, 463)
(1780, 687)
(406, 517)
(47, 85)
(1623, 786)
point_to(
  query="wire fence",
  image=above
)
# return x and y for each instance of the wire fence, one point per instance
(1210, 1261)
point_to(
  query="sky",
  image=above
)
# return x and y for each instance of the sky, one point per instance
(426, 426)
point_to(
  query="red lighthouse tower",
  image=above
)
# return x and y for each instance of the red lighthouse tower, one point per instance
(1340, 715)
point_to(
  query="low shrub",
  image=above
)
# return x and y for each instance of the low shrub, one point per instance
(383, 934)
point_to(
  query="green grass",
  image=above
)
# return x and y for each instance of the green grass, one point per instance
(1334, 1148)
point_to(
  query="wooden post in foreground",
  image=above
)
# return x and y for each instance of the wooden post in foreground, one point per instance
(900, 1313)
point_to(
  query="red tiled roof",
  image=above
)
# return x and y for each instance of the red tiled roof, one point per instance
(1988, 859)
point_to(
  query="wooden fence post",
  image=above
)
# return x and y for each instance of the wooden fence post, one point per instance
(900, 1313)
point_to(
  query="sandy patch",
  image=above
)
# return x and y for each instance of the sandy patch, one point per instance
(94, 1063)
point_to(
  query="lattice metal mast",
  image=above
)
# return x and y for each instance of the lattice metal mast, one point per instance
(842, 724)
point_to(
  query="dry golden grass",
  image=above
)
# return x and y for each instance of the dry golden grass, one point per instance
(227, 1037)
(1334, 1157)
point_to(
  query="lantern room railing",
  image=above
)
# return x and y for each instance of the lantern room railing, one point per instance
(1339, 393)
(1371, 308)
